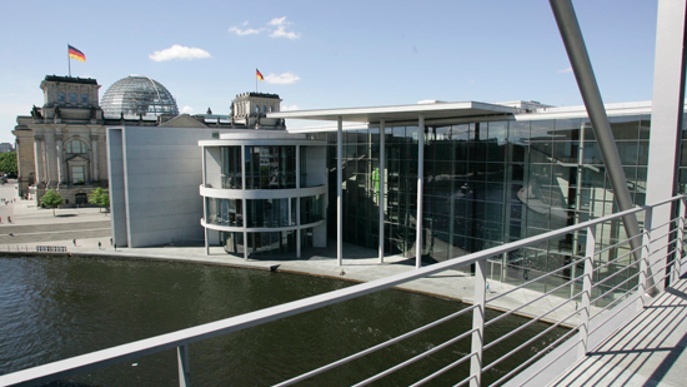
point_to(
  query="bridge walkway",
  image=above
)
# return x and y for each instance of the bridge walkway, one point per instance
(648, 351)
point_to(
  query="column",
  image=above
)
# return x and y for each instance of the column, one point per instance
(666, 118)
(420, 179)
(203, 181)
(339, 192)
(382, 174)
(298, 202)
(95, 174)
(49, 156)
(38, 145)
(60, 167)
(243, 202)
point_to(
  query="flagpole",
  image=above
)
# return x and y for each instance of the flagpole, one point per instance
(69, 63)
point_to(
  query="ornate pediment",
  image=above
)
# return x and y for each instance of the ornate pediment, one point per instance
(76, 159)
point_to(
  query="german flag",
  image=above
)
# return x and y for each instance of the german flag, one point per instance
(259, 75)
(75, 53)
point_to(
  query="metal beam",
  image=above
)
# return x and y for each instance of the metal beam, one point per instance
(584, 74)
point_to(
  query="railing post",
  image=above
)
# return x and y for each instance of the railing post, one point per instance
(184, 366)
(677, 265)
(646, 254)
(478, 317)
(587, 278)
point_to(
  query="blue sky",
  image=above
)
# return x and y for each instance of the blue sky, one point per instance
(326, 54)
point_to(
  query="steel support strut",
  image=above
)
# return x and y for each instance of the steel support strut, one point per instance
(584, 74)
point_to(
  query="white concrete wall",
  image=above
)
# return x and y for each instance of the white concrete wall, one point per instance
(316, 172)
(212, 167)
(117, 192)
(162, 173)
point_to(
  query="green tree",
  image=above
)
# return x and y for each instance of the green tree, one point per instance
(52, 199)
(100, 197)
(8, 163)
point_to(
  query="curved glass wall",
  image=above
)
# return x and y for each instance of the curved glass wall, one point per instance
(271, 212)
(224, 212)
(260, 243)
(270, 167)
(231, 167)
(312, 209)
(137, 95)
(240, 169)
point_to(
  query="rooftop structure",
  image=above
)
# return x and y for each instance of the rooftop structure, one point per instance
(138, 96)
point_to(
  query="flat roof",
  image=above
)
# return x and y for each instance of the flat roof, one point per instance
(401, 113)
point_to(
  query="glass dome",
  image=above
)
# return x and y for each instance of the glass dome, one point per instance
(136, 95)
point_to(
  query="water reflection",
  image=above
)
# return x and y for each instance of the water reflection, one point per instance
(52, 308)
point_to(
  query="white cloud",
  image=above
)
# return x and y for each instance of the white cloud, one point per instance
(278, 21)
(282, 79)
(567, 70)
(280, 24)
(244, 31)
(278, 27)
(179, 52)
(187, 109)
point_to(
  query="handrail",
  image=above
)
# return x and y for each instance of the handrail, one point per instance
(182, 338)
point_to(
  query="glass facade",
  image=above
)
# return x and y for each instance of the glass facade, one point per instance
(270, 167)
(270, 244)
(224, 212)
(485, 184)
(231, 167)
(253, 199)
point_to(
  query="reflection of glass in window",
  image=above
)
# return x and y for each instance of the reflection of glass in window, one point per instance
(60, 96)
(76, 147)
(72, 98)
(84, 98)
(78, 174)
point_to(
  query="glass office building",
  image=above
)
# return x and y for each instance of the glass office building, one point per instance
(489, 176)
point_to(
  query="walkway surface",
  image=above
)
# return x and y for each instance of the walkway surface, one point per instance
(649, 351)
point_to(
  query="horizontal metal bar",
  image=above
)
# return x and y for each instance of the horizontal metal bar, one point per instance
(613, 313)
(612, 288)
(415, 358)
(442, 370)
(531, 321)
(375, 348)
(548, 274)
(535, 357)
(526, 343)
(540, 297)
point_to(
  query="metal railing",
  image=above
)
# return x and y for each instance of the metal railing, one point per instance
(586, 296)
(34, 249)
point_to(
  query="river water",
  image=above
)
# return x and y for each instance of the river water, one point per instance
(52, 308)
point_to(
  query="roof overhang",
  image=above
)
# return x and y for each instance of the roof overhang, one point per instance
(401, 113)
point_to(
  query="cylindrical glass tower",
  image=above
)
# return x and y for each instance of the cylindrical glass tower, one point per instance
(265, 193)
